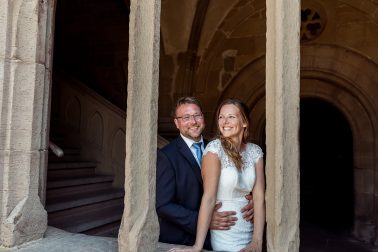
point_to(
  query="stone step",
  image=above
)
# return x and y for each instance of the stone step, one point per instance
(71, 165)
(84, 180)
(81, 199)
(70, 169)
(71, 190)
(84, 218)
(108, 230)
(65, 173)
(57, 216)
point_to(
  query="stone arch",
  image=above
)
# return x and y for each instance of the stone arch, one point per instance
(239, 39)
(365, 6)
(73, 110)
(118, 150)
(348, 81)
(345, 79)
(249, 86)
(95, 130)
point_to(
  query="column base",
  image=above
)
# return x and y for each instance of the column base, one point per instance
(26, 222)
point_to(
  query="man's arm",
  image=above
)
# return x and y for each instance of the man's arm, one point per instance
(166, 208)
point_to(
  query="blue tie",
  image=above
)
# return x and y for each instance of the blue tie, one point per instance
(197, 147)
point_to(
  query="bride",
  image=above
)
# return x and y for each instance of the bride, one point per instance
(231, 167)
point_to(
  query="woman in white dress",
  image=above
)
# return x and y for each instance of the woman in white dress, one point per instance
(231, 168)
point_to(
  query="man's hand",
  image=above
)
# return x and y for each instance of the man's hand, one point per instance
(222, 220)
(248, 209)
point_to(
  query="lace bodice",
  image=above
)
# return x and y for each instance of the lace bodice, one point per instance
(234, 183)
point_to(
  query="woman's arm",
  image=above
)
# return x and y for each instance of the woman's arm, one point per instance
(210, 176)
(258, 193)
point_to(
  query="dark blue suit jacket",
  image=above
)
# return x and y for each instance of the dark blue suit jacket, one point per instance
(178, 193)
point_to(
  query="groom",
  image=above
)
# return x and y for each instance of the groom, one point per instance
(179, 183)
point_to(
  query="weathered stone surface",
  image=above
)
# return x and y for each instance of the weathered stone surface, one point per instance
(23, 217)
(55, 240)
(24, 111)
(282, 126)
(139, 228)
(19, 228)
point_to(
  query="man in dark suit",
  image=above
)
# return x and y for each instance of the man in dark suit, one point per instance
(179, 183)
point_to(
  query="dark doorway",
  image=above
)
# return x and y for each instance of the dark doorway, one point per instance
(326, 169)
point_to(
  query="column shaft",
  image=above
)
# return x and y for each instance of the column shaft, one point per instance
(25, 57)
(282, 125)
(139, 229)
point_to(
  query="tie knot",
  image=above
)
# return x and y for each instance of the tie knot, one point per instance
(197, 146)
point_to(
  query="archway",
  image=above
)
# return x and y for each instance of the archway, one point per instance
(348, 82)
(326, 167)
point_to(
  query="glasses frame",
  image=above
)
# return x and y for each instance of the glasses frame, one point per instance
(187, 118)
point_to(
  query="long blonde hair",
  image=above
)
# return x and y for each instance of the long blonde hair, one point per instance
(227, 144)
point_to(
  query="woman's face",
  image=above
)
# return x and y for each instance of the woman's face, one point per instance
(230, 122)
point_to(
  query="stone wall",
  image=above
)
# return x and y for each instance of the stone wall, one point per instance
(25, 70)
(91, 123)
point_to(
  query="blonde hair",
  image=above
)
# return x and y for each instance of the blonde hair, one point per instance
(227, 144)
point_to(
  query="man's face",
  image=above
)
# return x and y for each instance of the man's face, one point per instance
(189, 121)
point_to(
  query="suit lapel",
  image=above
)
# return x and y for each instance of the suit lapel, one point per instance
(188, 155)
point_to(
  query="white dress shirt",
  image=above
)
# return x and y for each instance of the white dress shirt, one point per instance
(190, 143)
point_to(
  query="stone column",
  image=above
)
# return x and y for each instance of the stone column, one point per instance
(282, 120)
(25, 54)
(140, 229)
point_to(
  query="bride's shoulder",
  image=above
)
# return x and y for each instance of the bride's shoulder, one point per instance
(213, 146)
(255, 150)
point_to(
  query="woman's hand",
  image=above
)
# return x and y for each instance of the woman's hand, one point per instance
(254, 246)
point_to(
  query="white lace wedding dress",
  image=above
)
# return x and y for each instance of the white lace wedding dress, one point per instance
(232, 188)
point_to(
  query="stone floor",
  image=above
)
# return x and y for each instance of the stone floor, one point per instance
(56, 240)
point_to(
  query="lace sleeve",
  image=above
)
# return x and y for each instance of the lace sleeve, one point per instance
(257, 153)
(213, 147)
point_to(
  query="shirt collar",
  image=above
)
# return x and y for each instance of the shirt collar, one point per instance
(190, 142)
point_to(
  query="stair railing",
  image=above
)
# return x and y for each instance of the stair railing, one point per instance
(56, 149)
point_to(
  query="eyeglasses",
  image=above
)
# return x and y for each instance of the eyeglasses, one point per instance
(186, 118)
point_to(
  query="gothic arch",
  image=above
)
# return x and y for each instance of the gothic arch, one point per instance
(345, 79)
(73, 110)
(348, 80)
(95, 130)
(249, 86)
(224, 57)
(365, 6)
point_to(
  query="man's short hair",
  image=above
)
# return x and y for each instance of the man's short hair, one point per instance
(186, 100)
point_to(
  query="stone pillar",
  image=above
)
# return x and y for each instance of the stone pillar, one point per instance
(282, 121)
(25, 70)
(140, 229)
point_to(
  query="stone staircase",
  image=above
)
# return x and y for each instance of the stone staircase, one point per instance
(80, 201)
